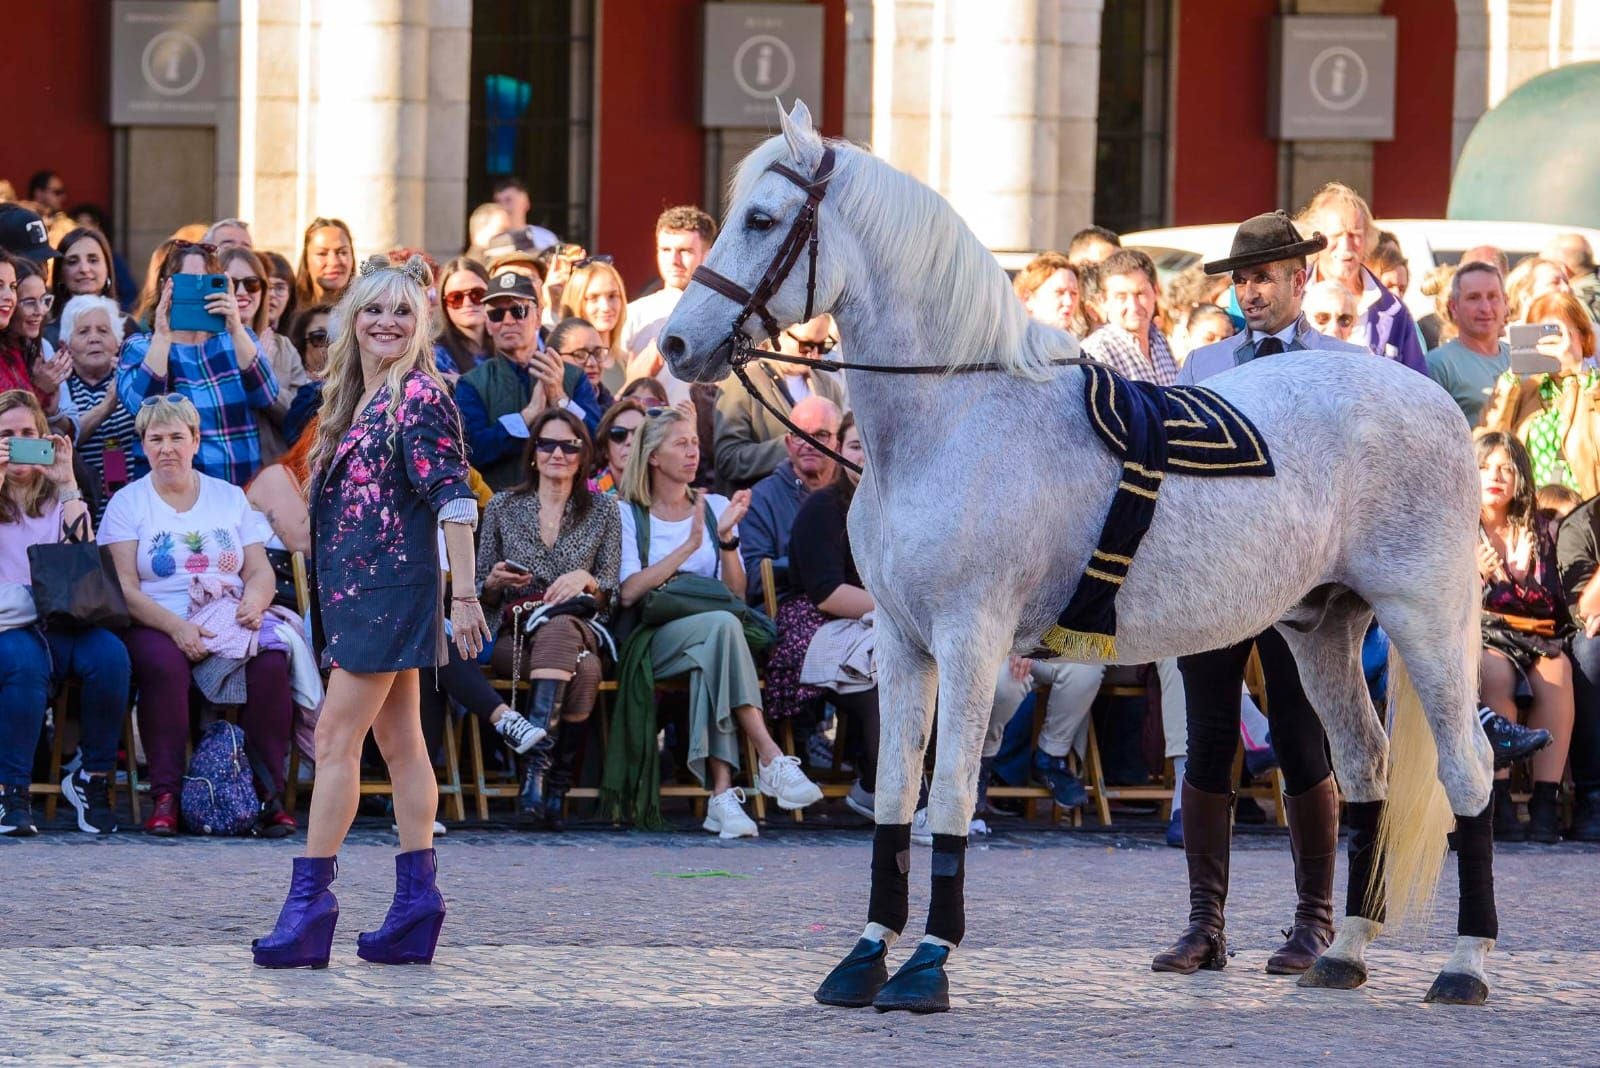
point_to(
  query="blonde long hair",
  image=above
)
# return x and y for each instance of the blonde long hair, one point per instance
(377, 283)
(635, 483)
(43, 490)
(577, 289)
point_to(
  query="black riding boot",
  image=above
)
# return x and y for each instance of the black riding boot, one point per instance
(569, 749)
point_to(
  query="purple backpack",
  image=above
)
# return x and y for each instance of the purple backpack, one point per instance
(219, 793)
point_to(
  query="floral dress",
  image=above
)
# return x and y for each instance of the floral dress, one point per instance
(375, 542)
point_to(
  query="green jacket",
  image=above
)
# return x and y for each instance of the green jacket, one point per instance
(506, 392)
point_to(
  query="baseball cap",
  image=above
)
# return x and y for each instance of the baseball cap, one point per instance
(511, 284)
(22, 233)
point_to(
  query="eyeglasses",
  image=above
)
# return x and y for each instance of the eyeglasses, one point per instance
(317, 337)
(821, 348)
(38, 304)
(620, 434)
(518, 311)
(565, 448)
(597, 354)
(181, 245)
(826, 437)
(474, 295)
(587, 260)
(1324, 318)
(249, 283)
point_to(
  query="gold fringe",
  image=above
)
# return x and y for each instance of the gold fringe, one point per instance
(1078, 644)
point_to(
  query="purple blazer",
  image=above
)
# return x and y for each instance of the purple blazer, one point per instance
(374, 531)
(1391, 331)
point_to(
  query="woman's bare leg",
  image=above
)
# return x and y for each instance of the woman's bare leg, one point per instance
(753, 724)
(721, 773)
(398, 731)
(348, 712)
(1553, 709)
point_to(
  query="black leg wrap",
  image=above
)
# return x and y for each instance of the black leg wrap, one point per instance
(1362, 819)
(1475, 862)
(947, 906)
(890, 903)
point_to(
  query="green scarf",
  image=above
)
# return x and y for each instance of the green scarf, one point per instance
(630, 785)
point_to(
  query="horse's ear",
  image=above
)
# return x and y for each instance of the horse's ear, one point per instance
(805, 146)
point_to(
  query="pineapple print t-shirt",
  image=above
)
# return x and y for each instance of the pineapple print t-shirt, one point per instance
(208, 539)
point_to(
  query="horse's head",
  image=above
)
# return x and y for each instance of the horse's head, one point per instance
(741, 286)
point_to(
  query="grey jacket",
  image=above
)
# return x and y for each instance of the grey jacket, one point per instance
(749, 441)
(1225, 355)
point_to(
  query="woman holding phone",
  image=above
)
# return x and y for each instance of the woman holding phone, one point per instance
(216, 364)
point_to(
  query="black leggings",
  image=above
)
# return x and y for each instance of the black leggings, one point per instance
(1212, 683)
(861, 719)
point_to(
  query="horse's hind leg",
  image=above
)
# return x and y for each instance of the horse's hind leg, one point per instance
(968, 655)
(1329, 659)
(906, 685)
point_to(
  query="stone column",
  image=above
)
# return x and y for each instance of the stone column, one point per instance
(1308, 165)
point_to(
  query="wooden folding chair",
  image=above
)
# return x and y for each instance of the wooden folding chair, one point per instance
(1268, 787)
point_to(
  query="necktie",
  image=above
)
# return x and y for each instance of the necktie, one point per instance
(1269, 346)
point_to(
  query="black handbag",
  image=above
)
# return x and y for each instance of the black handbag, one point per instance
(75, 584)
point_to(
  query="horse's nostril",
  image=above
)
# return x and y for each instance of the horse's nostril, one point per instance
(673, 348)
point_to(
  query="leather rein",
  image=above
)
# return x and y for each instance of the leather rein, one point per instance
(802, 236)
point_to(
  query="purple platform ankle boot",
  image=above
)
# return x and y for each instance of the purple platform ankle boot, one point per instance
(411, 930)
(304, 931)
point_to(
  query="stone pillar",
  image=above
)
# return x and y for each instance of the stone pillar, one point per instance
(355, 109)
(1309, 165)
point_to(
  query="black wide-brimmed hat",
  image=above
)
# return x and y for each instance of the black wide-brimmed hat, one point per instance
(1266, 239)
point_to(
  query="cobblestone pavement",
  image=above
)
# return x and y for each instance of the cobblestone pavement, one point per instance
(650, 948)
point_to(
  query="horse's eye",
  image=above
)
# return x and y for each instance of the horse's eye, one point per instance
(759, 221)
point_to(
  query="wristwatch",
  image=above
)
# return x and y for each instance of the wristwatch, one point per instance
(729, 545)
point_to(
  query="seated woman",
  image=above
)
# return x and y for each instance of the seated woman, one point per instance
(1525, 618)
(91, 333)
(166, 531)
(38, 503)
(614, 440)
(823, 571)
(579, 344)
(1556, 416)
(546, 540)
(665, 531)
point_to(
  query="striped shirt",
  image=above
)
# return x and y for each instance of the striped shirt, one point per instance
(114, 429)
(1119, 350)
(226, 397)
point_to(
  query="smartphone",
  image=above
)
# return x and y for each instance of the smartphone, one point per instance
(1526, 359)
(41, 451)
(523, 569)
(189, 293)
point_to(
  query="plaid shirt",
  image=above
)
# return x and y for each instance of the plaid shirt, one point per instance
(1119, 350)
(226, 397)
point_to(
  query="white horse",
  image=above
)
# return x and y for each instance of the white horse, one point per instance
(985, 492)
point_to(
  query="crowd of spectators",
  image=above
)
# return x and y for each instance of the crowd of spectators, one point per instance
(184, 447)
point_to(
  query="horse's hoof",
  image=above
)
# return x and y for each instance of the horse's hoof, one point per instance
(920, 985)
(1457, 988)
(856, 980)
(1334, 973)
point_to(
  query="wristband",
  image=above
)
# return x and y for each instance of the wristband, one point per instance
(68, 494)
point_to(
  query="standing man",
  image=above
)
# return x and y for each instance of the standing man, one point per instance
(512, 195)
(683, 237)
(1129, 342)
(1469, 365)
(1268, 265)
(503, 395)
(47, 190)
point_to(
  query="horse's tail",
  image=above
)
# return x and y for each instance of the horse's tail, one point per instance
(1417, 817)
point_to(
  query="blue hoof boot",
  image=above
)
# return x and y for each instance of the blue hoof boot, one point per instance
(856, 980)
(1334, 973)
(1457, 988)
(920, 985)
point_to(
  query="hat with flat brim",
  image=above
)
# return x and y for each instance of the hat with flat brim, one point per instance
(1266, 239)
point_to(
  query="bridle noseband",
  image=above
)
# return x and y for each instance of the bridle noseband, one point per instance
(802, 236)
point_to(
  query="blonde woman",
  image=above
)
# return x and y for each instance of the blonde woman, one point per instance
(595, 293)
(667, 529)
(388, 468)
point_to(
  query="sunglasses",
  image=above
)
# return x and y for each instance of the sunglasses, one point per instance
(565, 448)
(250, 284)
(170, 398)
(474, 295)
(181, 245)
(619, 435)
(316, 337)
(587, 260)
(516, 311)
(597, 354)
(1324, 318)
(821, 348)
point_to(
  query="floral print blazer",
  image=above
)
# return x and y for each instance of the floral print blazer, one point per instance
(375, 543)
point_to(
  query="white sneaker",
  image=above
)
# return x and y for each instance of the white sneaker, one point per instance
(439, 829)
(860, 800)
(726, 818)
(519, 734)
(782, 779)
(920, 834)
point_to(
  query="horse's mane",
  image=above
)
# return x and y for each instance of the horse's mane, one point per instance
(970, 310)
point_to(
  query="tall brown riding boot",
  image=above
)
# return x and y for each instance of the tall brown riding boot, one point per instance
(1314, 839)
(1207, 833)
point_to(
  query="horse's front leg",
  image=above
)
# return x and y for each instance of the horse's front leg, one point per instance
(907, 681)
(966, 694)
